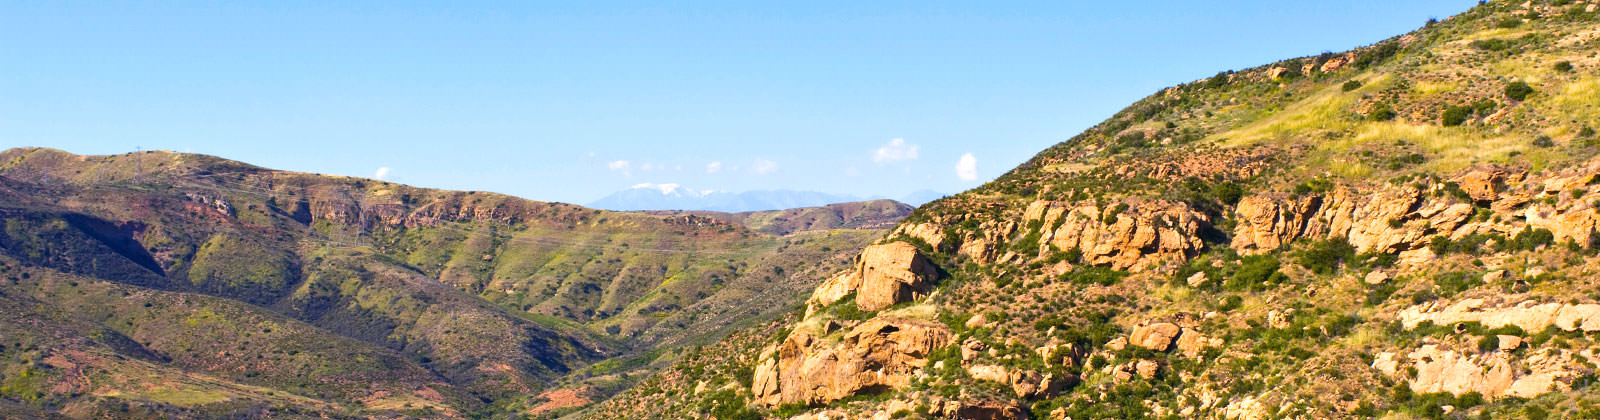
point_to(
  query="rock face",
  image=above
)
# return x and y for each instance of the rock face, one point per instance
(1528, 315)
(1125, 237)
(1402, 219)
(884, 275)
(880, 353)
(1492, 375)
(1392, 220)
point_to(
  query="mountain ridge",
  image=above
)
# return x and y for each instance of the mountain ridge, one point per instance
(470, 302)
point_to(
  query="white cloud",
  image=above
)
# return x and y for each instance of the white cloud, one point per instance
(714, 167)
(763, 166)
(967, 168)
(897, 150)
(382, 173)
(618, 165)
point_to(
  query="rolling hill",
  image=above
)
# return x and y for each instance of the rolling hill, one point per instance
(160, 284)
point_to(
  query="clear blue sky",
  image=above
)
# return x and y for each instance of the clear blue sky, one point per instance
(544, 99)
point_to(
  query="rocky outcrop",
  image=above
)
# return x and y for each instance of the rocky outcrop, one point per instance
(884, 275)
(1492, 375)
(809, 367)
(1124, 237)
(1025, 383)
(1392, 220)
(1528, 315)
(1402, 219)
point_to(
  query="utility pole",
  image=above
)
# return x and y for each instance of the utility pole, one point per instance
(138, 162)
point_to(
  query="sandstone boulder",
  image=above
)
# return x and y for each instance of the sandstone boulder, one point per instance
(1117, 344)
(892, 273)
(806, 368)
(1146, 369)
(1509, 342)
(884, 275)
(1157, 336)
(1191, 343)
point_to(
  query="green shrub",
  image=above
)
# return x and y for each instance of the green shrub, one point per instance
(1325, 257)
(1452, 282)
(1381, 112)
(1318, 186)
(1564, 66)
(1350, 85)
(1256, 273)
(1518, 90)
(1528, 239)
(1379, 293)
(1488, 343)
(1228, 193)
(1455, 115)
(1217, 81)
(1493, 44)
(1094, 275)
(1230, 303)
(1376, 54)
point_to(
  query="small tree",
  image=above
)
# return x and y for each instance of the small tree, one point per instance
(1381, 112)
(1518, 90)
(1455, 115)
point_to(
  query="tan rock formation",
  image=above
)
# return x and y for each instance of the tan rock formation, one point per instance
(1135, 239)
(808, 368)
(884, 275)
(1191, 342)
(1491, 375)
(1528, 315)
(1157, 336)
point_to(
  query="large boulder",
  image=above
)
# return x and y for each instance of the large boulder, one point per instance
(1156, 336)
(884, 275)
(809, 368)
(892, 273)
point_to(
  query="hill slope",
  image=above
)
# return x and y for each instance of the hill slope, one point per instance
(1402, 230)
(279, 293)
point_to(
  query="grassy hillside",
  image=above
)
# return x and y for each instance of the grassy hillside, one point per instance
(344, 296)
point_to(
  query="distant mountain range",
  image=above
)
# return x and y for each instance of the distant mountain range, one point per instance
(676, 197)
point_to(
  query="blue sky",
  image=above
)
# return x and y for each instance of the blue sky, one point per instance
(547, 100)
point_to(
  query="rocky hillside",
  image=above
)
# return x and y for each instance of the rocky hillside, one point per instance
(165, 285)
(1401, 231)
(873, 214)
